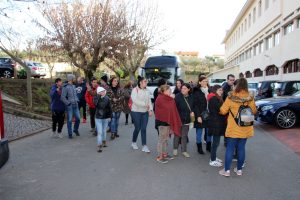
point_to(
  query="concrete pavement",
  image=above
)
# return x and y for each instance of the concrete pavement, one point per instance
(44, 168)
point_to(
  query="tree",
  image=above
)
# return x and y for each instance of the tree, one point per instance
(88, 32)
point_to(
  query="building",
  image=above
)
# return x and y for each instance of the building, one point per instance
(187, 53)
(263, 42)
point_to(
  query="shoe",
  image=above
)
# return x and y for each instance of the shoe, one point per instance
(238, 172)
(92, 130)
(117, 135)
(145, 149)
(161, 160)
(54, 134)
(168, 157)
(60, 135)
(99, 149)
(185, 154)
(199, 148)
(70, 137)
(76, 133)
(208, 146)
(104, 144)
(126, 123)
(84, 121)
(224, 173)
(219, 160)
(215, 163)
(175, 152)
(134, 146)
(108, 130)
(112, 137)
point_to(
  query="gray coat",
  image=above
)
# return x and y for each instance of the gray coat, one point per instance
(69, 95)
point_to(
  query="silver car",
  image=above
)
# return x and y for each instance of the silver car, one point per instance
(37, 69)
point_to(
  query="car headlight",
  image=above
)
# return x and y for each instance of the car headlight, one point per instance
(265, 108)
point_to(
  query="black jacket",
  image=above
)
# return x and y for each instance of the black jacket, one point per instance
(182, 107)
(226, 89)
(200, 105)
(217, 122)
(103, 107)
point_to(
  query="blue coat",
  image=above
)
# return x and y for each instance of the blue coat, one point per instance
(81, 90)
(56, 103)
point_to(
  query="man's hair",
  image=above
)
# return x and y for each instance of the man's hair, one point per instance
(93, 78)
(57, 80)
(230, 75)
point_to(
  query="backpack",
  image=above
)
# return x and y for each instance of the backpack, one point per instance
(244, 117)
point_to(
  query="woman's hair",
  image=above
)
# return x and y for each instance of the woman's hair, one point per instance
(161, 82)
(128, 84)
(214, 90)
(241, 85)
(201, 78)
(140, 79)
(164, 88)
(112, 79)
(181, 81)
(188, 86)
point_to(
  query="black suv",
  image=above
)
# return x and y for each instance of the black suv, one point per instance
(7, 66)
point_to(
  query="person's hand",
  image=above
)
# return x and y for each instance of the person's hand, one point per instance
(199, 120)
(172, 95)
(57, 89)
(150, 113)
(148, 107)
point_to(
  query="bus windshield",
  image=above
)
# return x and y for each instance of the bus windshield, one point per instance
(153, 75)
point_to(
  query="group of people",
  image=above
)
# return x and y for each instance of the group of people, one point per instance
(210, 110)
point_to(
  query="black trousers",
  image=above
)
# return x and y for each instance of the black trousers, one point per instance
(92, 117)
(58, 120)
(82, 104)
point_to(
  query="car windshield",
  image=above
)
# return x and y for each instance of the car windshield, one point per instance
(153, 75)
(252, 85)
(38, 64)
(297, 94)
(278, 85)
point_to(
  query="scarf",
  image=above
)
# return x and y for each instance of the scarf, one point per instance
(205, 91)
(166, 111)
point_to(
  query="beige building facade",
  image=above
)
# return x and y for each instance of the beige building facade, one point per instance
(263, 43)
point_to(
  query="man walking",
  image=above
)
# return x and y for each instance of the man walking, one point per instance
(70, 99)
(57, 108)
(89, 95)
(81, 89)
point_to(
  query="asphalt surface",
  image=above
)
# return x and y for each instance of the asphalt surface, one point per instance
(44, 168)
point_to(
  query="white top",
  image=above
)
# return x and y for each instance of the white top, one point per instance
(141, 100)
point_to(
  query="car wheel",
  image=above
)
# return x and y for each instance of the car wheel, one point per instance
(285, 118)
(7, 74)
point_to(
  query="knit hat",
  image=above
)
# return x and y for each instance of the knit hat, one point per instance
(70, 77)
(104, 78)
(100, 89)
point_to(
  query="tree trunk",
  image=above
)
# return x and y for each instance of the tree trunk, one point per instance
(88, 74)
(29, 88)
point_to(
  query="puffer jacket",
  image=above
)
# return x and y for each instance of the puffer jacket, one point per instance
(233, 102)
(103, 108)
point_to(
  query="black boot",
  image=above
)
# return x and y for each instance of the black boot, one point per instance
(208, 146)
(199, 147)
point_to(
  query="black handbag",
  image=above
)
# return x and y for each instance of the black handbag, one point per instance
(205, 115)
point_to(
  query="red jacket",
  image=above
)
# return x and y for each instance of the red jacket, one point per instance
(89, 95)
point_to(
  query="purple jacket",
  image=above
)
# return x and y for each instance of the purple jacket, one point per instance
(56, 104)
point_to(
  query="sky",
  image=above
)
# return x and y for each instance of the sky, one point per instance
(198, 25)
(193, 25)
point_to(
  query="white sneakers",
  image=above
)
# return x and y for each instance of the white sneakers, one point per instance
(215, 163)
(145, 149)
(134, 146)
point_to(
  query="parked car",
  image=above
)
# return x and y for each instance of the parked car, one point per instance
(284, 111)
(286, 88)
(7, 66)
(4, 150)
(265, 90)
(37, 70)
(253, 88)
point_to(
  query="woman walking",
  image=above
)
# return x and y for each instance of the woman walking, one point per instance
(116, 97)
(127, 93)
(102, 116)
(140, 112)
(237, 135)
(168, 120)
(200, 94)
(216, 123)
(185, 104)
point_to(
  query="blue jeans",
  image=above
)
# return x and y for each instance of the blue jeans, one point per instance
(199, 135)
(214, 147)
(115, 122)
(73, 110)
(140, 121)
(101, 125)
(239, 144)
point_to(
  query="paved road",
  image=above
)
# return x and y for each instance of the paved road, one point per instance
(45, 168)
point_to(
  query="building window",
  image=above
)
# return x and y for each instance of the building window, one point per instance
(288, 28)
(261, 47)
(248, 74)
(249, 20)
(258, 73)
(254, 15)
(259, 8)
(266, 4)
(241, 75)
(269, 43)
(257, 49)
(245, 25)
(277, 38)
(271, 70)
(292, 66)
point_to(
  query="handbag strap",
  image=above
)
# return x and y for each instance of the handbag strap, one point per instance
(187, 104)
